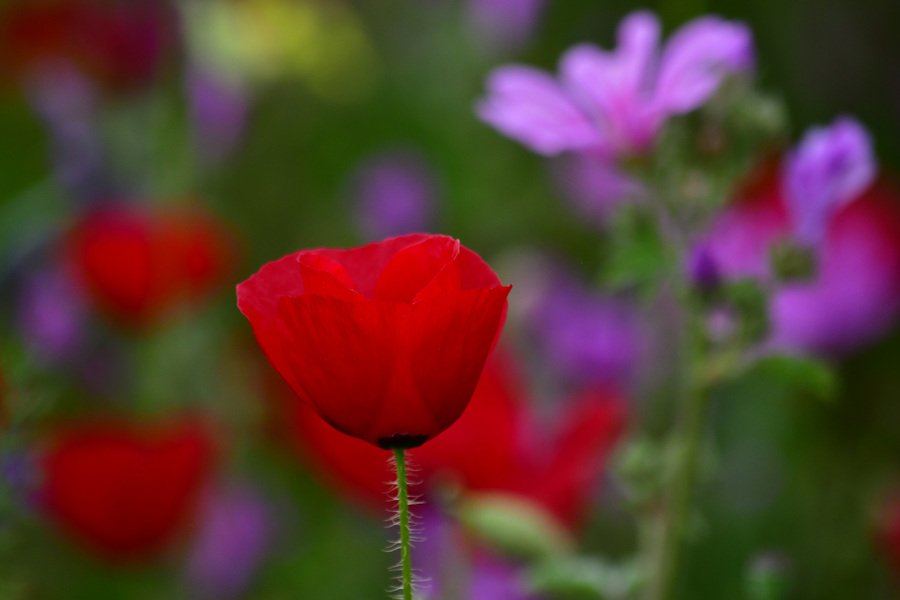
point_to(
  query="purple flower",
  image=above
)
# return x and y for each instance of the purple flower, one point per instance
(504, 24)
(831, 167)
(586, 337)
(51, 316)
(854, 297)
(702, 268)
(615, 103)
(448, 570)
(20, 474)
(67, 103)
(218, 113)
(594, 186)
(233, 534)
(395, 193)
(590, 338)
(492, 580)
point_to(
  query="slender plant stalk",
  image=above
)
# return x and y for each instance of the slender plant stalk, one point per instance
(675, 514)
(403, 508)
(668, 525)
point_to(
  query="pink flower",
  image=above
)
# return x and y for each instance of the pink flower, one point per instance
(855, 295)
(830, 168)
(617, 102)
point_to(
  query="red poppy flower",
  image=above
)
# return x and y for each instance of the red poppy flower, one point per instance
(385, 342)
(123, 490)
(137, 265)
(118, 44)
(497, 445)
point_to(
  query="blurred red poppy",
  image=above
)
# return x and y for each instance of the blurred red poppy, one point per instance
(118, 44)
(123, 490)
(386, 341)
(137, 265)
(497, 445)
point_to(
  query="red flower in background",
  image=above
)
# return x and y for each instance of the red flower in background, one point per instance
(119, 44)
(137, 265)
(386, 342)
(125, 491)
(497, 445)
(889, 537)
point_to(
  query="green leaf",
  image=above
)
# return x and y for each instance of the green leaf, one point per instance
(514, 525)
(802, 374)
(583, 577)
(637, 257)
(751, 305)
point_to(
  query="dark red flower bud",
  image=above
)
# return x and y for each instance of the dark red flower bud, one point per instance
(137, 265)
(386, 341)
(124, 490)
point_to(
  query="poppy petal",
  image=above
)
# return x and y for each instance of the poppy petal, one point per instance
(317, 262)
(474, 273)
(341, 354)
(448, 339)
(324, 283)
(257, 299)
(411, 269)
(365, 263)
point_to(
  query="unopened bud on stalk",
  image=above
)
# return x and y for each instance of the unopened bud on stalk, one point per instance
(793, 262)
(514, 525)
(768, 576)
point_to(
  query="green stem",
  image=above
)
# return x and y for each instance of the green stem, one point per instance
(670, 522)
(403, 508)
(675, 514)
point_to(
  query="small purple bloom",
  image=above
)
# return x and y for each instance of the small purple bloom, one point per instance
(594, 186)
(504, 24)
(615, 103)
(831, 167)
(702, 268)
(492, 580)
(51, 316)
(20, 474)
(448, 569)
(218, 113)
(233, 534)
(67, 103)
(587, 337)
(395, 193)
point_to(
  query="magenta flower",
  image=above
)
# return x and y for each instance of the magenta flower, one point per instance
(831, 167)
(616, 103)
(855, 295)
